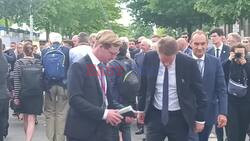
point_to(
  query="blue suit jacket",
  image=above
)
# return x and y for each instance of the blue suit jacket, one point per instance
(215, 89)
(224, 53)
(139, 58)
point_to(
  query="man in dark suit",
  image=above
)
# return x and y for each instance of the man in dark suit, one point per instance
(213, 84)
(92, 115)
(171, 99)
(183, 46)
(139, 57)
(221, 51)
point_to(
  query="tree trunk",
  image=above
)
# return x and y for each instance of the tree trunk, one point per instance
(189, 29)
(6, 22)
(47, 29)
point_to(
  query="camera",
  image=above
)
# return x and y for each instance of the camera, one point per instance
(238, 55)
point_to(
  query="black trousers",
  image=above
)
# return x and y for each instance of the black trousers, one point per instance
(238, 120)
(175, 130)
(104, 132)
(3, 111)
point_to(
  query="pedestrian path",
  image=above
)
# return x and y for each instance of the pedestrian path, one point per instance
(16, 132)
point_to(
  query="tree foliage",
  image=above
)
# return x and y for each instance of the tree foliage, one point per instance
(65, 16)
(168, 13)
(224, 11)
(74, 16)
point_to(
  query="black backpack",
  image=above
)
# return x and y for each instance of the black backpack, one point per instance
(130, 83)
(31, 77)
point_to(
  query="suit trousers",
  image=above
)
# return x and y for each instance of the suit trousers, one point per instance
(238, 120)
(3, 109)
(55, 111)
(176, 128)
(104, 132)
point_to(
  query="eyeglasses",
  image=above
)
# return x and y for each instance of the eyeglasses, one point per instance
(246, 42)
(113, 53)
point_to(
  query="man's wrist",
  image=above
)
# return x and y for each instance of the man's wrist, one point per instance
(105, 114)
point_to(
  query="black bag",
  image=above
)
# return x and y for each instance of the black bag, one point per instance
(238, 89)
(130, 82)
(31, 77)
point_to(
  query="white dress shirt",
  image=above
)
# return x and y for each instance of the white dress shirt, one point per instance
(173, 101)
(202, 63)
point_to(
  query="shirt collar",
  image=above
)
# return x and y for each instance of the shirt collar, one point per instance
(196, 58)
(220, 47)
(94, 59)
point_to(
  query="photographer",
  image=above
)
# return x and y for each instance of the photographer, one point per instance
(237, 75)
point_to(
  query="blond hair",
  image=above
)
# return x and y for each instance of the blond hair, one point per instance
(108, 39)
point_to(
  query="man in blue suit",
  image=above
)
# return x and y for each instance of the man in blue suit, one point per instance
(139, 57)
(213, 84)
(221, 51)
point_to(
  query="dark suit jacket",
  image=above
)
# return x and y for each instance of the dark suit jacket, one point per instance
(139, 57)
(224, 53)
(191, 97)
(215, 88)
(85, 100)
(188, 51)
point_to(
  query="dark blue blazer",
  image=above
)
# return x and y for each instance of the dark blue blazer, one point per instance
(215, 88)
(188, 51)
(224, 53)
(191, 97)
(139, 57)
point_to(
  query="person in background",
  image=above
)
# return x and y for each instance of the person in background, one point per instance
(139, 57)
(55, 81)
(4, 103)
(237, 70)
(121, 65)
(30, 100)
(68, 43)
(183, 46)
(92, 39)
(81, 50)
(233, 39)
(75, 40)
(132, 48)
(155, 38)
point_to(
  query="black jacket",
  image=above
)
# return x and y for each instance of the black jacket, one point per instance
(236, 71)
(3, 76)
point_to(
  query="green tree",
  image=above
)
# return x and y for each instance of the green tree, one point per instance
(140, 28)
(14, 11)
(73, 16)
(169, 13)
(224, 11)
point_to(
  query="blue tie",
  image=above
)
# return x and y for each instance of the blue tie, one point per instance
(164, 112)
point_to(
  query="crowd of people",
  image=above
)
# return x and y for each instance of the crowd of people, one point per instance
(87, 87)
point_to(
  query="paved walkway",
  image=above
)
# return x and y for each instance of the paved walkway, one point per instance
(16, 132)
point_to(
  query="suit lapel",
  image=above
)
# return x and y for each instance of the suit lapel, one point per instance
(178, 72)
(206, 69)
(154, 73)
(95, 76)
(222, 55)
